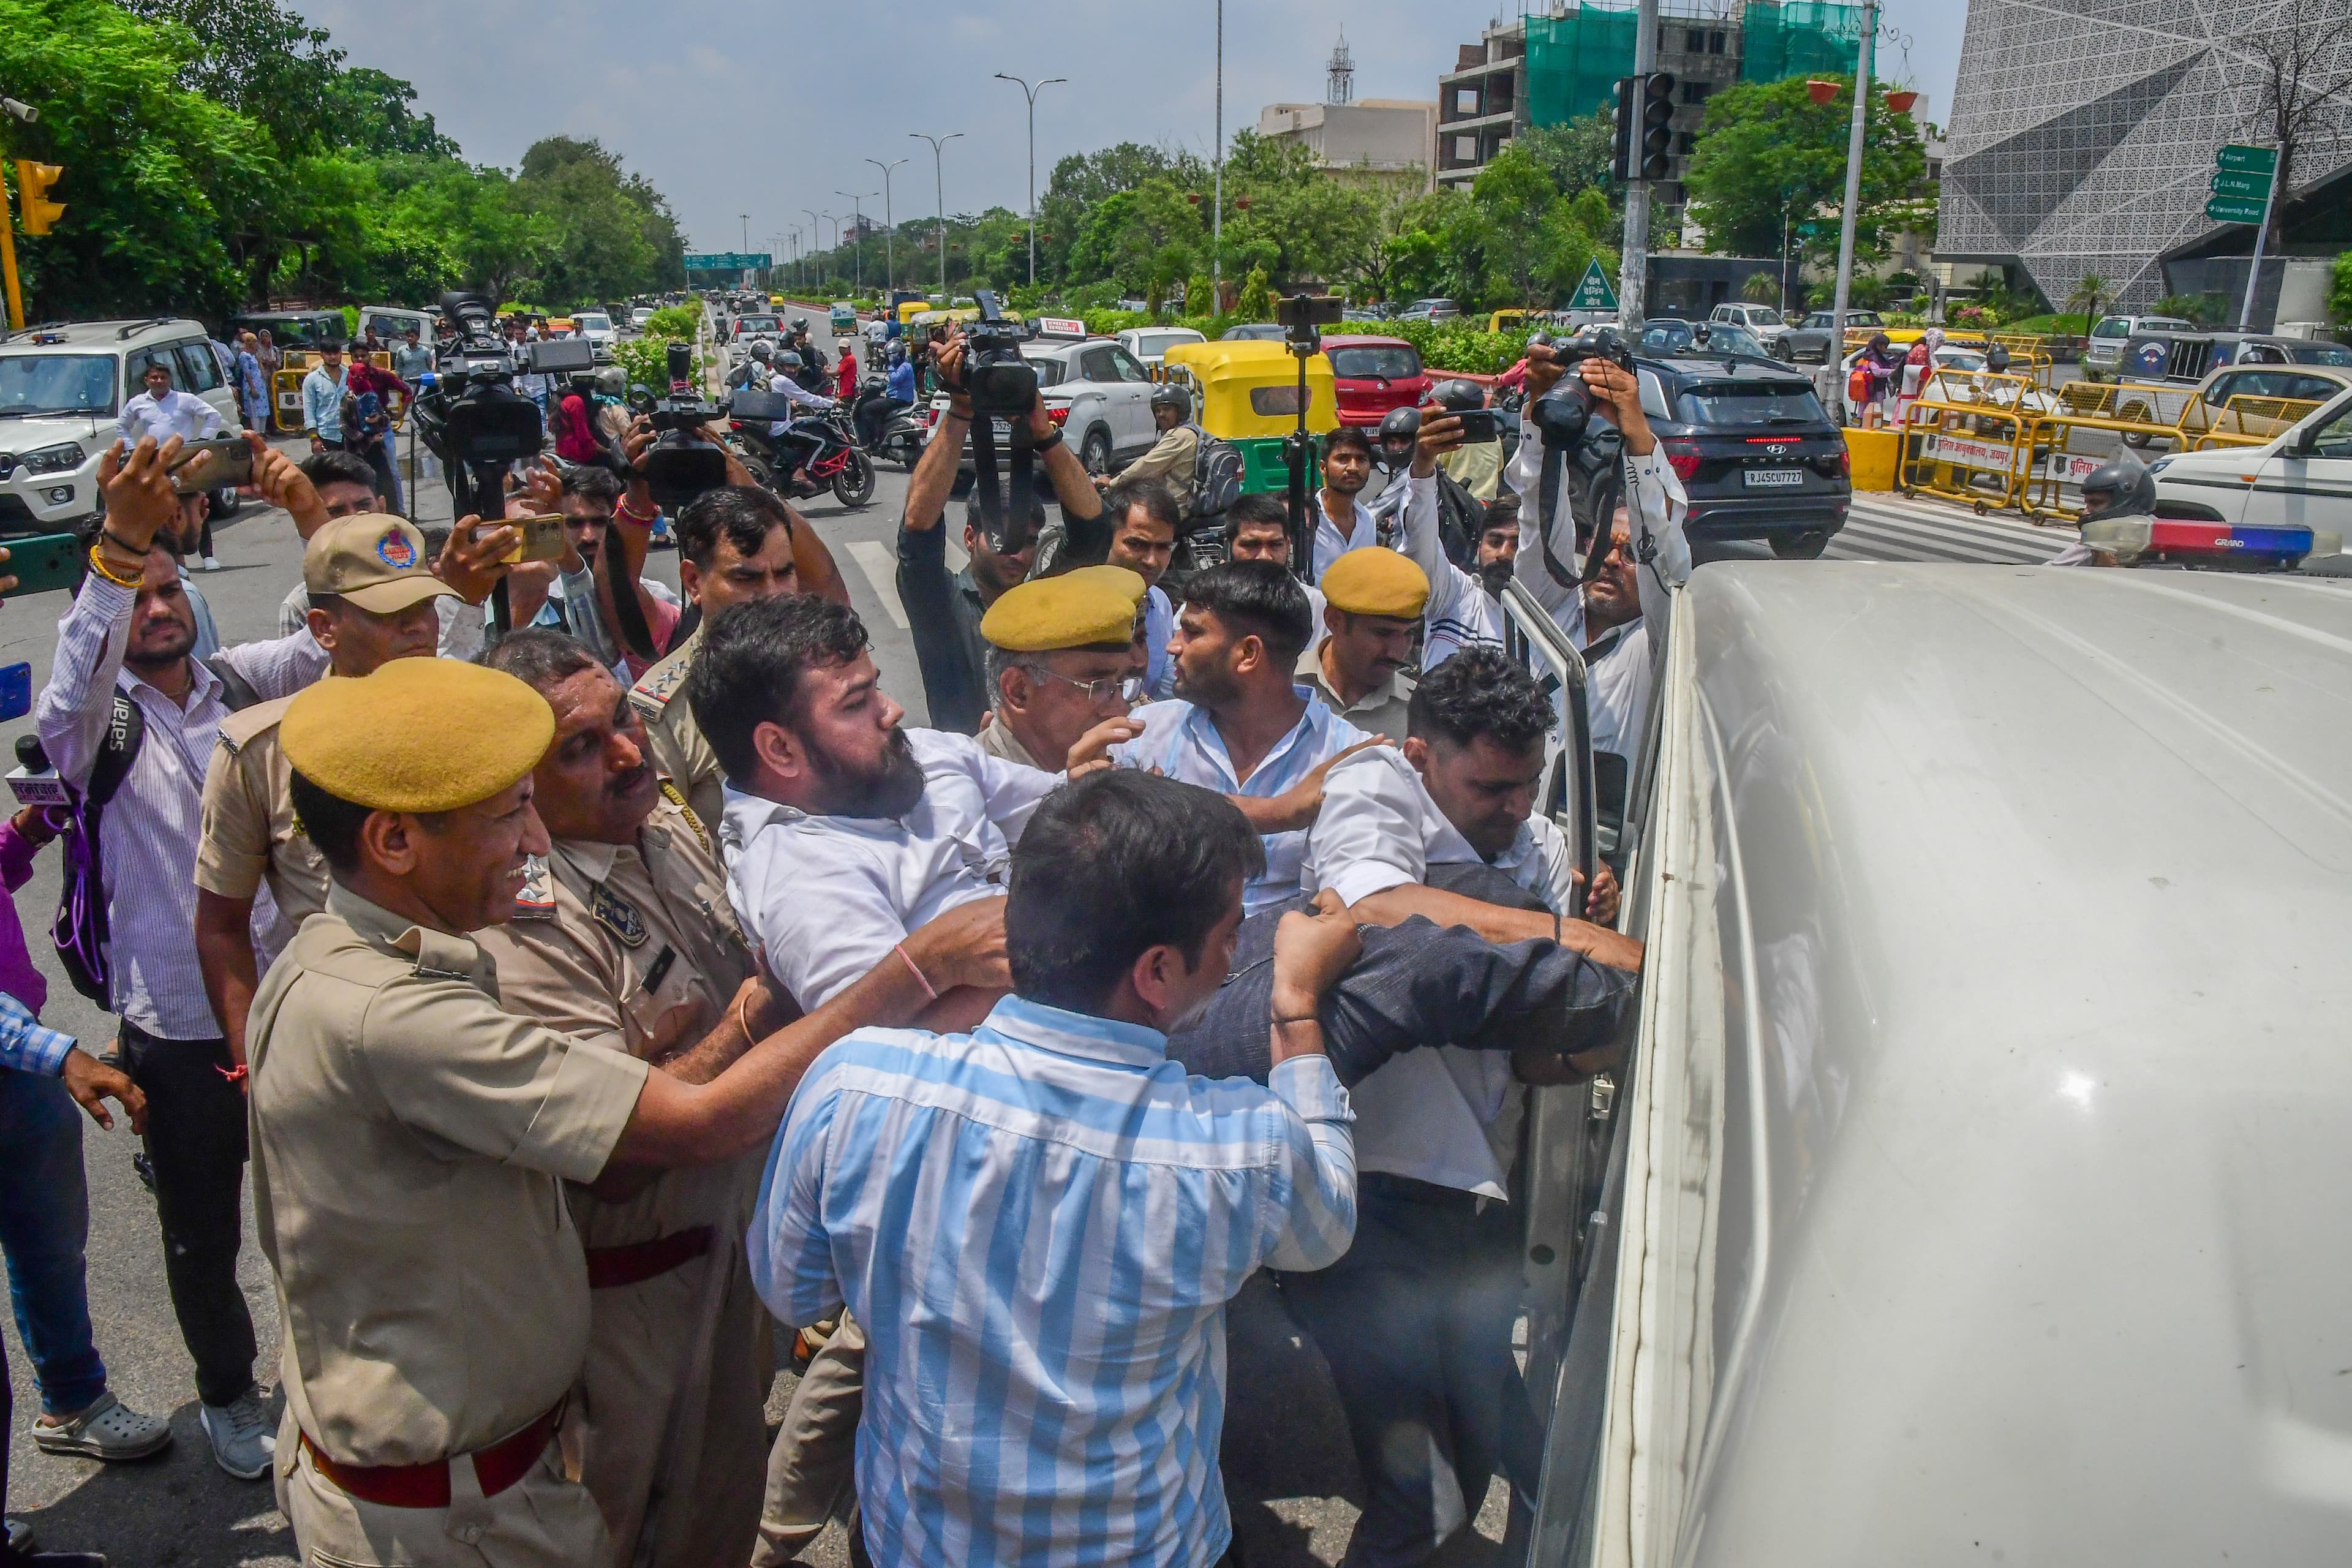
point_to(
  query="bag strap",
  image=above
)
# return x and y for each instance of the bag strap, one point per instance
(126, 731)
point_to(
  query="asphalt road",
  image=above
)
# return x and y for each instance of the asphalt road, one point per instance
(1289, 1473)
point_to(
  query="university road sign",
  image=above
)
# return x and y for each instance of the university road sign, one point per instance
(1592, 291)
(2252, 160)
(2235, 209)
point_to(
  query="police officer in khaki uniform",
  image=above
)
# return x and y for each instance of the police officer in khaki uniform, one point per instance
(1373, 600)
(411, 1139)
(374, 598)
(623, 937)
(1061, 660)
(735, 544)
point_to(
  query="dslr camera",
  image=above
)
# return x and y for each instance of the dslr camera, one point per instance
(681, 465)
(1563, 415)
(1000, 380)
(1563, 420)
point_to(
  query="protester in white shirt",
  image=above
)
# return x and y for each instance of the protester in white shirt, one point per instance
(1344, 520)
(1416, 1320)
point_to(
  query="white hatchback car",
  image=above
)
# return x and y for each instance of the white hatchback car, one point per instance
(1097, 392)
(2302, 476)
(62, 387)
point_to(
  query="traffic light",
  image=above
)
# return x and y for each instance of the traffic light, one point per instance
(33, 182)
(1645, 136)
(1620, 166)
(1657, 124)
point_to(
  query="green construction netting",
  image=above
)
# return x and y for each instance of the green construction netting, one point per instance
(1798, 37)
(1575, 58)
(1574, 62)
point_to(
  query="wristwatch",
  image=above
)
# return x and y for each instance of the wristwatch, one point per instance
(1046, 442)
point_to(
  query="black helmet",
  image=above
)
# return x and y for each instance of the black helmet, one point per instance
(1997, 360)
(760, 349)
(1459, 397)
(2120, 487)
(1398, 437)
(1171, 394)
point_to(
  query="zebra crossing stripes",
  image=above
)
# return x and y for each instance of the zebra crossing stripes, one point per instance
(1906, 530)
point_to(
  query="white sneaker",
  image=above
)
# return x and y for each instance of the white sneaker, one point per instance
(212, 563)
(243, 1443)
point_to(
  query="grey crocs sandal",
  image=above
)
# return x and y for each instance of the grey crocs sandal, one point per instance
(109, 1429)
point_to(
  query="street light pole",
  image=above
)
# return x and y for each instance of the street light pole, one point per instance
(940, 190)
(816, 234)
(889, 229)
(857, 237)
(1853, 177)
(1031, 94)
(1217, 197)
(1633, 270)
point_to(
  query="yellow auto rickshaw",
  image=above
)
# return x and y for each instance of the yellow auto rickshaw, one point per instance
(1247, 393)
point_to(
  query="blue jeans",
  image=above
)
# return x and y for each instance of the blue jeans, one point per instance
(44, 1229)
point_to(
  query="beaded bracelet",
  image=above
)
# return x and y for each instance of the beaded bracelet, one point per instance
(98, 565)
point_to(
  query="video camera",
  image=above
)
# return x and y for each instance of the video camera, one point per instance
(473, 418)
(681, 465)
(1001, 381)
(1563, 420)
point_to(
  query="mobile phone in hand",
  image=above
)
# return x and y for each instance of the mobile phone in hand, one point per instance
(231, 466)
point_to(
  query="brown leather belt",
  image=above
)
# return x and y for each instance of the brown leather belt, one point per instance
(610, 1267)
(497, 1468)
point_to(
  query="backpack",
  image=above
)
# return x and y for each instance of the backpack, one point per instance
(1216, 475)
(79, 930)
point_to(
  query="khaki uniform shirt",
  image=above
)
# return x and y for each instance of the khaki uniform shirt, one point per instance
(634, 948)
(1171, 459)
(249, 832)
(997, 739)
(410, 1144)
(679, 753)
(1379, 711)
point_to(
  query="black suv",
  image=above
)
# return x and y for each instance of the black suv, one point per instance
(1756, 453)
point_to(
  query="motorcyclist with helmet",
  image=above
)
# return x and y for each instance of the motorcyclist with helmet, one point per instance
(793, 446)
(2120, 487)
(896, 392)
(1171, 458)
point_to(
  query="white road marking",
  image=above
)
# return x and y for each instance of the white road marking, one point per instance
(881, 569)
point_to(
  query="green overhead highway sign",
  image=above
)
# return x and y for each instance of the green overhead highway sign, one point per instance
(728, 262)
(1592, 291)
(2251, 160)
(2228, 183)
(2235, 209)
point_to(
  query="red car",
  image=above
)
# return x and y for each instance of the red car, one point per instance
(1374, 376)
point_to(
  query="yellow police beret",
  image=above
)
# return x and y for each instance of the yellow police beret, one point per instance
(1118, 579)
(420, 734)
(1375, 581)
(1058, 613)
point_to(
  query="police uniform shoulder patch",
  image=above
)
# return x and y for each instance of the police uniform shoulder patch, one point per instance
(676, 797)
(651, 695)
(617, 915)
(537, 899)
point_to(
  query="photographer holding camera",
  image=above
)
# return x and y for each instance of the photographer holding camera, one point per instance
(1612, 461)
(944, 611)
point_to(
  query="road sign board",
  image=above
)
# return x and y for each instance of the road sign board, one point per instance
(1592, 291)
(727, 260)
(2254, 160)
(2226, 183)
(2233, 209)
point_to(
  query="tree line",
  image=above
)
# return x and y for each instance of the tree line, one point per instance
(223, 154)
(1134, 221)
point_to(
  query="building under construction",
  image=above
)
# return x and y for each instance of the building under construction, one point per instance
(1562, 64)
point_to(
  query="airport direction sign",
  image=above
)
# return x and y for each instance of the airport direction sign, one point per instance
(2235, 209)
(2230, 183)
(2249, 160)
(728, 262)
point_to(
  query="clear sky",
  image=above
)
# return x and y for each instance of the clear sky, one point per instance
(768, 107)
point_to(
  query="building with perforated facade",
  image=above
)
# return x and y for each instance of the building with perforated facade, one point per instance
(2083, 136)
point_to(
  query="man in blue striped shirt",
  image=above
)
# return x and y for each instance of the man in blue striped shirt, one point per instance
(1040, 1223)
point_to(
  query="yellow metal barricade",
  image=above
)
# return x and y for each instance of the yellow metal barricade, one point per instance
(2071, 440)
(1968, 452)
(286, 400)
(2030, 349)
(2243, 421)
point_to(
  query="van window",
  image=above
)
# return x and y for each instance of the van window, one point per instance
(2322, 353)
(199, 370)
(134, 369)
(2113, 327)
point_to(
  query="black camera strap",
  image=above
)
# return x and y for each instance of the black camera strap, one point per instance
(1554, 459)
(999, 512)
